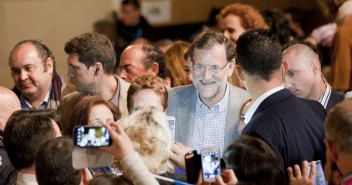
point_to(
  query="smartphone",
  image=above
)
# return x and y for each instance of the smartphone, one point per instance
(172, 126)
(91, 136)
(193, 166)
(319, 175)
(210, 164)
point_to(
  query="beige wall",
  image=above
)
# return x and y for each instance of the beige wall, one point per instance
(52, 21)
(56, 21)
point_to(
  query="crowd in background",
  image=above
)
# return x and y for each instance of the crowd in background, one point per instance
(273, 99)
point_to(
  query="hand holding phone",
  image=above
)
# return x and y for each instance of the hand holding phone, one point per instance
(193, 166)
(210, 164)
(91, 136)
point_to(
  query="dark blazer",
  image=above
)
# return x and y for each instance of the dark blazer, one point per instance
(182, 105)
(335, 98)
(291, 126)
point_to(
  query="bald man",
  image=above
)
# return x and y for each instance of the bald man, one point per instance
(139, 60)
(304, 78)
(9, 104)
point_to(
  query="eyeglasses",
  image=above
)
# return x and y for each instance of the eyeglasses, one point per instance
(214, 69)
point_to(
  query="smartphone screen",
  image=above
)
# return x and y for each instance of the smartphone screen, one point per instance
(172, 125)
(210, 163)
(319, 175)
(88, 136)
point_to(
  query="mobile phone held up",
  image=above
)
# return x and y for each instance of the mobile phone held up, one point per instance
(210, 164)
(91, 136)
(193, 166)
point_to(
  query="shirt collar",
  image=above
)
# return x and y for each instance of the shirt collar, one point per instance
(257, 102)
(325, 98)
(25, 102)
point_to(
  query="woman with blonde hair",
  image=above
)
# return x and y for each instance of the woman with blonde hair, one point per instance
(150, 137)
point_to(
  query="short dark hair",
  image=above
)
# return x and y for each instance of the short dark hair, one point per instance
(42, 49)
(207, 39)
(25, 131)
(251, 157)
(53, 164)
(154, 54)
(259, 53)
(93, 47)
(134, 3)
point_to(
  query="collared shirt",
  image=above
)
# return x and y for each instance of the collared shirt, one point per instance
(114, 100)
(248, 116)
(26, 179)
(26, 105)
(326, 96)
(210, 124)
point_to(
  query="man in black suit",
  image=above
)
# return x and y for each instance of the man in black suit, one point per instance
(304, 78)
(291, 126)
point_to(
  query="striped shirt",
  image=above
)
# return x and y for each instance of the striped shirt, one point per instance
(326, 96)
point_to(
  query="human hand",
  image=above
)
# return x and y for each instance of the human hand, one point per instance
(227, 177)
(177, 156)
(0, 161)
(121, 143)
(298, 177)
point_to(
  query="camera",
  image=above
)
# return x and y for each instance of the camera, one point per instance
(91, 136)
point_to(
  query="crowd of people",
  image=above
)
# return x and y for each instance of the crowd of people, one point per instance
(253, 88)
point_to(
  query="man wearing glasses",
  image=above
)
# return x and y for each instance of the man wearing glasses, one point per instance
(207, 112)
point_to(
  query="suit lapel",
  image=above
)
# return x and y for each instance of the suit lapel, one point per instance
(185, 113)
(233, 115)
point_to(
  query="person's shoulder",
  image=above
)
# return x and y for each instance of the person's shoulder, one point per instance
(73, 95)
(238, 90)
(71, 98)
(182, 89)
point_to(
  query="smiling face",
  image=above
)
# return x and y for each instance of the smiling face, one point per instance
(31, 73)
(211, 86)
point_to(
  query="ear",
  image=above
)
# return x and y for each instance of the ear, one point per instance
(155, 68)
(330, 147)
(167, 82)
(285, 67)
(231, 66)
(49, 64)
(240, 72)
(315, 65)
(98, 66)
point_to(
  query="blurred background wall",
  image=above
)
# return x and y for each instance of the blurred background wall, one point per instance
(56, 21)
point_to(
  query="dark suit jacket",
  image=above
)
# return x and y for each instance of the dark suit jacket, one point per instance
(291, 126)
(335, 98)
(8, 174)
